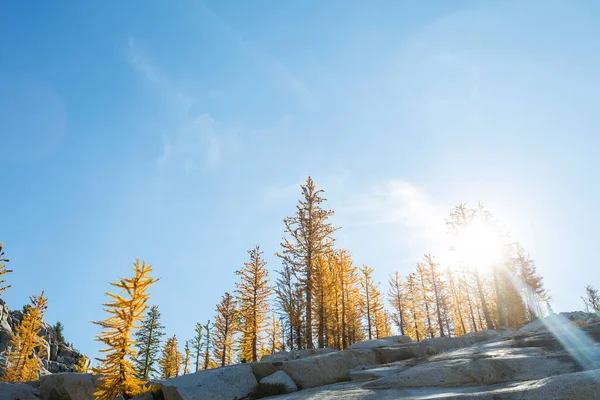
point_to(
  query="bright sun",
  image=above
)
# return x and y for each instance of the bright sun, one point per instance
(478, 245)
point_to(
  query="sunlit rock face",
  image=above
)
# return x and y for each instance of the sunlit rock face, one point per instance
(59, 357)
(561, 361)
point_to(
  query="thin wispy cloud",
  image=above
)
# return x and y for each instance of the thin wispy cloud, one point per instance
(192, 143)
(280, 72)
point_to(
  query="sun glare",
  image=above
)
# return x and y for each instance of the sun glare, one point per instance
(478, 246)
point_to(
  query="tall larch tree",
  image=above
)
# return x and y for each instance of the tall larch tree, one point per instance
(197, 344)
(425, 296)
(396, 298)
(591, 299)
(349, 290)
(126, 309)
(21, 363)
(414, 328)
(187, 355)
(148, 339)
(3, 270)
(371, 303)
(460, 219)
(438, 290)
(457, 305)
(290, 301)
(533, 290)
(170, 359)
(274, 342)
(208, 345)
(323, 291)
(226, 324)
(308, 237)
(253, 292)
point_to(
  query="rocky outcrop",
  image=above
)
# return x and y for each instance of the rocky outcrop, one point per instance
(295, 354)
(576, 318)
(59, 357)
(227, 383)
(386, 342)
(18, 391)
(67, 386)
(562, 362)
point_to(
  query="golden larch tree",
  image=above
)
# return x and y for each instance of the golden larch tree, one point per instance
(126, 309)
(274, 331)
(22, 364)
(415, 315)
(324, 300)
(3, 270)
(438, 291)
(197, 343)
(226, 325)
(371, 303)
(253, 292)
(290, 300)
(170, 359)
(208, 345)
(309, 236)
(186, 358)
(396, 296)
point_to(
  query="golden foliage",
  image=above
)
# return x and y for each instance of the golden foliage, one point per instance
(253, 292)
(226, 324)
(22, 363)
(3, 270)
(309, 237)
(83, 365)
(126, 311)
(186, 359)
(170, 360)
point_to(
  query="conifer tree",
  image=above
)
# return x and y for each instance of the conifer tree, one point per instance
(186, 358)
(323, 290)
(424, 292)
(226, 324)
(591, 299)
(437, 289)
(349, 291)
(3, 270)
(21, 363)
(289, 298)
(274, 342)
(457, 305)
(370, 302)
(148, 339)
(196, 344)
(253, 292)
(83, 365)
(396, 298)
(126, 310)
(533, 287)
(208, 346)
(58, 329)
(170, 359)
(461, 218)
(415, 329)
(309, 237)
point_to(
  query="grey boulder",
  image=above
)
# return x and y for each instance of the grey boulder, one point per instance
(226, 383)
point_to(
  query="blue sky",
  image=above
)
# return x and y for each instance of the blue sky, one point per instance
(178, 132)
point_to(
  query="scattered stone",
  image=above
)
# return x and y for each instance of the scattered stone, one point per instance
(278, 383)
